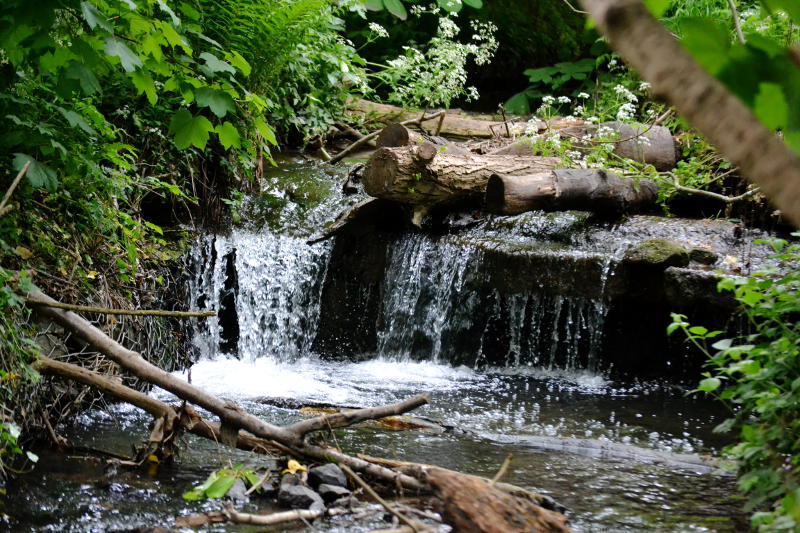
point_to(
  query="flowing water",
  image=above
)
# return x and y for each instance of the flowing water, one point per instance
(623, 457)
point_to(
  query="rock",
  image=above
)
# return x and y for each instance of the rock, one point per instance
(328, 474)
(330, 493)
(299, 497)
(237, 491)
(660, 253)
(290, 479)
(703, 256)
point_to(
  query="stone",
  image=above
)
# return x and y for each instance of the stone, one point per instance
(661, 253)
(328, 474)
(238, 491)
(290, 479)
(331, 493)
(703, 256)
(299, 497)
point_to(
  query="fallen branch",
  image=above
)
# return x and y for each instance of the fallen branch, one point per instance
(106, 311)
(710, 194)
(232, 417)
(228, 514)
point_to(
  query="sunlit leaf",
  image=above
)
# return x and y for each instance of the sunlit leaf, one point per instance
(396, 8)
(709, 384)
(116, 48)
(144, 84)
(707, 41)
(657, 7)
(221, 486)
(477, 4)
(373, 5)
(94, 18)
(228, 135)
(213, 64)
(265, 131)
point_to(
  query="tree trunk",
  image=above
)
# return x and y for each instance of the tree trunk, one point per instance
(420, 176)
(395, 135)
(584, 189)
(718, 114)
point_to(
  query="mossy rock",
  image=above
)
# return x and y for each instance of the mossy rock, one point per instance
(660, 253)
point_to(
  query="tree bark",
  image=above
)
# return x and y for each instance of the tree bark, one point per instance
(724, 120)
(585, 189)
(418, 175)
(473, 505)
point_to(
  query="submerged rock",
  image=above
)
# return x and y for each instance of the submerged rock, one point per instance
(327, 474)
(661, 253)
(299, 497)
(332, 493)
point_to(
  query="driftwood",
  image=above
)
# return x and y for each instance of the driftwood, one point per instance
(422, 177)
(474, 505)
(564, 189)
(232, 417)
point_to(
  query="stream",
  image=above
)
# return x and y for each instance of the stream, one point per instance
(623, 454)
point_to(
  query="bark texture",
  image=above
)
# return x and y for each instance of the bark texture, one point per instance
(473, 505)
(396, 134)
(419, 175)
(724, 120)
(584, 189)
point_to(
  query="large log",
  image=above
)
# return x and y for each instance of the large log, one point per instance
(420, 176)
(585, 189)
(396, 134)
(653, 145)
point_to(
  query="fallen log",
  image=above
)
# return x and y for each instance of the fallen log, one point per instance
(652, 145)
(474, 505)
(422, 177)
(397, 134)
(563, 189)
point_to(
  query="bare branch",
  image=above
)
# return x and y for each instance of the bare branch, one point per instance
(10, 191)
(106, 311)
(736, 23)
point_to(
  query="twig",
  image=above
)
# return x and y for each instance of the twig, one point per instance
(573, 8)
(258, 484)
(374, 495)
(10, 191)
(105, 311)
(664, 116)
(736, 24)
(710, 194)
(366, 138)
(503, 468)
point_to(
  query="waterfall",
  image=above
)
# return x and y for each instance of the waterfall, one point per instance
(265, 289)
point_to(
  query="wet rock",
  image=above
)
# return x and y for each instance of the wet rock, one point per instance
(348, 502)
(330, 493)
(660, 253)
(703, 256)
(327, 474)
(299, 497)
(290, 479)
(237, 492)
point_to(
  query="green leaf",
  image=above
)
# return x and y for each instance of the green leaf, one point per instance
(723, 344)
(221, 486)
(518, 104)
(709, 384)
(144, 84)
(373, 5)
(213, 64)
(698, 330)
(771, 107)
(266, 132)
(190, 12)
(228, 135)
(39, 175)
(32, 457)
(94, 18)
(86, 78)
(168, 10)
(791, 7)
(75, 119)
(188, 130)
(236, 59)
(218, 101)
(657, 7)
(707, 41)
(116, 48)
(477, 4)
(396, 8)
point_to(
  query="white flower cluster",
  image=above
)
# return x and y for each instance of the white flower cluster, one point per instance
(378, 30)
(627, 110)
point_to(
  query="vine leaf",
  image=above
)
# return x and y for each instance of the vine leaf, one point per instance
(189, 130)
(219, 102)
(770, 106)
(39, 174)
(86, 78)
(116, 48)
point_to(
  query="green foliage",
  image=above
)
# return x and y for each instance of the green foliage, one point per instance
(220, 482)
(762, 71)
(758, 376)
(396, 7)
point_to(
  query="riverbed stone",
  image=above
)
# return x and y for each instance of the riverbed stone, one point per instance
(299, 497)
(327, 474)
(660, 253)
(331, 493)
(703, 256)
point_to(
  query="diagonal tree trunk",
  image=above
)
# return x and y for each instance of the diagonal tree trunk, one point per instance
(721, 117)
